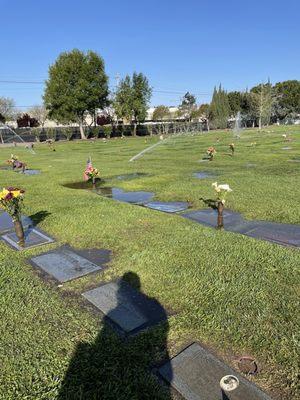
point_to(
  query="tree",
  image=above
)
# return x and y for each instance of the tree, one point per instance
(123, 100)
(188, 105)
(160, 113)
(219, 108)
(287, 98)
(7, 106)
(132, 98)
(141, 95)
(204, 111)
(26, 121)
(235, 102)
(77, 84)
(248, 108)
(40, 113)
(264, 101)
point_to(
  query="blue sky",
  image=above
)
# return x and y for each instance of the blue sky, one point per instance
(180, 45)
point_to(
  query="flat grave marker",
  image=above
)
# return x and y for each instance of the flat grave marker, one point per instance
(7, 225)
(134, 197)
(64, 264)
(30, 172)
(129, 309)
(208, 217)
(168, 206)
(284, 234)
(195, 374)
(203, 175)
(33, 238)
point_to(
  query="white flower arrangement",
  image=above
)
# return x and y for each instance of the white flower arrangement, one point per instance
(221, 191)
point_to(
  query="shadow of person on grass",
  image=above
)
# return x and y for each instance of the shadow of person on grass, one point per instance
(114, 368)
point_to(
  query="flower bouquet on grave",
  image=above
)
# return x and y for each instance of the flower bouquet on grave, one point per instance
(91, 173)
(15, 163)
(231, 147)
(221, 192)
(211, 151)
(287, 138)
(11, 200)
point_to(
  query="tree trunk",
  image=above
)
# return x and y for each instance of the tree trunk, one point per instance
(259, 123)
(82, 134)
(134, 128)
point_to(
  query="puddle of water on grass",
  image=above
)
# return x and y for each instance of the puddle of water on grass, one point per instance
(82, 185)
(134, 197)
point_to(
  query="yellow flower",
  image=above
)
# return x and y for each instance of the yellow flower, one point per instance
(3, 193)
(16, 193)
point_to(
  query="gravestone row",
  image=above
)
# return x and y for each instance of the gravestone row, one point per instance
(283, 234)
(194, 373)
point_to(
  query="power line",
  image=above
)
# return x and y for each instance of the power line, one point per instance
(26, 82)
(165, 91)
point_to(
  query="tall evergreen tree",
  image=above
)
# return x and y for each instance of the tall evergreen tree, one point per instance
(219, 108)
(235, 102)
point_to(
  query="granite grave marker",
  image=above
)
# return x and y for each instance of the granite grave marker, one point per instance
(196, 373)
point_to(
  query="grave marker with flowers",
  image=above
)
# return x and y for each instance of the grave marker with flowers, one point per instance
(11, 200)
(211, 151)
(15, 163)
(91, 173)
(221, 193)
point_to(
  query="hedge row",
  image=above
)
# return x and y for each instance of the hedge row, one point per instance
(107, 131)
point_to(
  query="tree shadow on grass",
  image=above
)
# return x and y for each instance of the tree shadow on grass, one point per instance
(112, 368)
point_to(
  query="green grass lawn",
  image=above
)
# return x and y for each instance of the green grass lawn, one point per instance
(233, 294)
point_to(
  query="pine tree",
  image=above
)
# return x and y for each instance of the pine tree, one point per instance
(219, 108)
